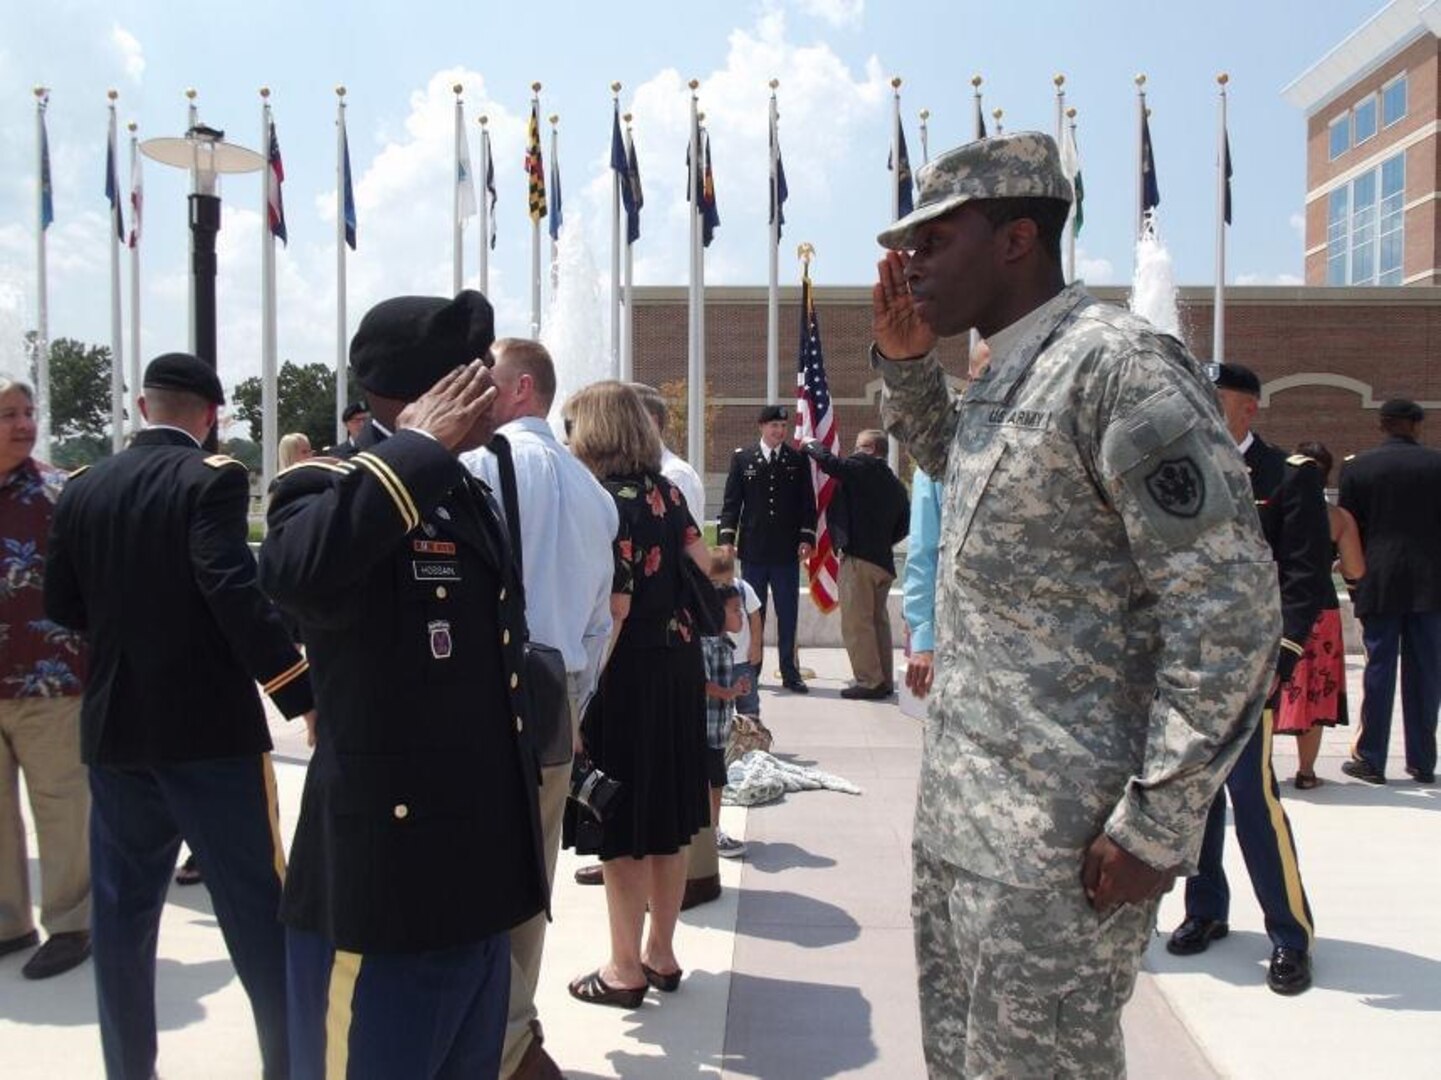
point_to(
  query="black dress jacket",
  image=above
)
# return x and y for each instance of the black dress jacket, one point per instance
(770, 505)
(1394, 492)
(149, 561)
(419, 826)
(870, 512)
(1291, 501)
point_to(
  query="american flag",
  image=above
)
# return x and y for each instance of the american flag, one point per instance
(273, 196)
(816, 420)
(137, 199)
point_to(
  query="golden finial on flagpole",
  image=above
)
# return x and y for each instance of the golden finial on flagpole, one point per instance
(458, 89)
(925, 115)
(1141, 80)
(976, 81)
(626, 118)
(482, 119)
(265, 92)
(132, 127)
(41, 91)
(340, 91)
(694, 85)
(805, 253)
(190, 93)
(1071, 113)
(998, 113)
(112, 94)
(896, 85)
(1223, 79)
(535, 88)
(1059, 80)
(615, 89)
(554, 119)
(774, 83)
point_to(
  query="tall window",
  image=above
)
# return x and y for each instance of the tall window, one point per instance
(1363, 119)
(1364, 234)
(1393, 102)
(1340, 135)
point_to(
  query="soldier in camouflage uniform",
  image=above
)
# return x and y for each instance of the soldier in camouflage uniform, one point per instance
(1106, 619)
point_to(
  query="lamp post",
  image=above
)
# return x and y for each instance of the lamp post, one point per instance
(205, 153)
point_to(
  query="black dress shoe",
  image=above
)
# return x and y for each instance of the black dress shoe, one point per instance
(795, 686)
(593, 874)
(1290, 971)
(1419, 776)
(59, 954)
(16, 944)
(1362, 770)
(867, 693)
(1195, 935)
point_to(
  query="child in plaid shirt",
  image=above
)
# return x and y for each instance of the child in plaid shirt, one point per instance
(721, 691)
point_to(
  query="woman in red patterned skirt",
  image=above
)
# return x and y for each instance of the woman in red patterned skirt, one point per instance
(1315, 695)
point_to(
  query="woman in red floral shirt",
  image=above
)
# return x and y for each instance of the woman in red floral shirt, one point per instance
(645, 727)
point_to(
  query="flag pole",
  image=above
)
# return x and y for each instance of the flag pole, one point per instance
(980, 132)
(192, 117)
(457, 252)
(1218, 332)
(42, 305)
(1071, 232)
(627, 365)
(269, 405)
(895, 147)
(1060, 82)
(773, 292)
(340, 153)
(117, 327)
(1140, 154)
(925, 115)
(615, 360)
(136, 197)
(483, 196)
(997, 113)
(699, 425)
(535, 230)
(694, 361)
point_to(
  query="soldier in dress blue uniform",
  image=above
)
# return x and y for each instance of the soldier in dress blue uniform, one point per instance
(149, 561)
(1291, 502)
(1394, 492)
(396, 566)
(769, 518)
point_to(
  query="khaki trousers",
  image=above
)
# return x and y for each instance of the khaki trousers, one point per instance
(527, 941)
(865, 622)
(41, 738)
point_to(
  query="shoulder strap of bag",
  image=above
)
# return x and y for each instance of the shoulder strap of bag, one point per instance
(500, 447)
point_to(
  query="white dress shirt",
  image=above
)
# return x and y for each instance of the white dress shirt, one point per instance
(568, 523)
(679, 472)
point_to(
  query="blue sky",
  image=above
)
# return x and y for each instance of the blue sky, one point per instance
(834, 59)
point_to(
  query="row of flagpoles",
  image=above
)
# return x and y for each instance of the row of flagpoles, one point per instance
(544, 201)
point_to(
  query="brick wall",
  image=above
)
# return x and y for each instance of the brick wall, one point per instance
(1360, 345)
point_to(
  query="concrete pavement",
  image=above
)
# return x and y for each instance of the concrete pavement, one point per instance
(803, 969)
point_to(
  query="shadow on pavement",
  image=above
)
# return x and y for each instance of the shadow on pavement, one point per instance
(69, 1000)
(797, 1030)
(772, 858)
(1398, 794)
(1382, 978)
(779, 915)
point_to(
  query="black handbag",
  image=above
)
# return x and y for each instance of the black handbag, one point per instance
(547, 684)
(699, 597)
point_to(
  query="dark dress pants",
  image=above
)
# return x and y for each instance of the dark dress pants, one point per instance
(784, 582)
(225, 810)
(1416, 641)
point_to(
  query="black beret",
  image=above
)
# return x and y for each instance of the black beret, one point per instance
(1402, 409)
(407, 344)
(354, 409)
(1237, 377)
(773, 412)
(186, 373)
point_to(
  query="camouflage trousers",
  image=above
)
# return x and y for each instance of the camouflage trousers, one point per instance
(1020, 982)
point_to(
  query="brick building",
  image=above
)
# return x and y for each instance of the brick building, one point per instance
(1373, 173)
(1328, 357)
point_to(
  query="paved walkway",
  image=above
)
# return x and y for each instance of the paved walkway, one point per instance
(803, 969)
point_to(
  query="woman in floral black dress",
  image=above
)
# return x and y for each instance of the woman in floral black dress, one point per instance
(645, 727)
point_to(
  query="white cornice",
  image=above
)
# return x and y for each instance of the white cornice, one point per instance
(1366, 164)
(1375, 41)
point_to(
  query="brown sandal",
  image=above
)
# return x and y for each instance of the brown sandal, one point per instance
(1307, 781)
(665, 983)
(593, 990)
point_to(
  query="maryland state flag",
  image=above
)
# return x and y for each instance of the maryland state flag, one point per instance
(534, 164)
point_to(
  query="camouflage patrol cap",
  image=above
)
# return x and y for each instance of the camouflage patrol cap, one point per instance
(1022, 165)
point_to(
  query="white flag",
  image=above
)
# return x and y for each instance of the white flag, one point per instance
(465, 180)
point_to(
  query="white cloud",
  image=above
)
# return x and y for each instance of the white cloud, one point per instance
(1093, 271)
(835, 12)
(132, 56)
(1269, 279)
(1297, 221)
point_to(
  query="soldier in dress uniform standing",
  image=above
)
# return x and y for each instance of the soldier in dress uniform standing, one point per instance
(396, 565)
(148, 560)
(1291, 502)
(769, 517)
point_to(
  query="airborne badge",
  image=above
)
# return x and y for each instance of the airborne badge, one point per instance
(1178, 487)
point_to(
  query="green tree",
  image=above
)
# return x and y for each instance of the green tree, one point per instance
(307, 402)
(79, 388)
(243, 451)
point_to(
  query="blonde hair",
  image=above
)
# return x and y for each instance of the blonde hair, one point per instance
(611, 432)
(293, 447)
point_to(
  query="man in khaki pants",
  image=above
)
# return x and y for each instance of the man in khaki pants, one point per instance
(869, 515)
(567, 524)
(41, 668)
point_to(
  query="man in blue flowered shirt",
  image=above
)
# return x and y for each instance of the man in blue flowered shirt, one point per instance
(41, 673)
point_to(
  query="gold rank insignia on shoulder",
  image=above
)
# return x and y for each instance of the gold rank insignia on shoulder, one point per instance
(1349, 457)
(219, 461)
(1300, 459)
(76, 472)
(335, 465)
